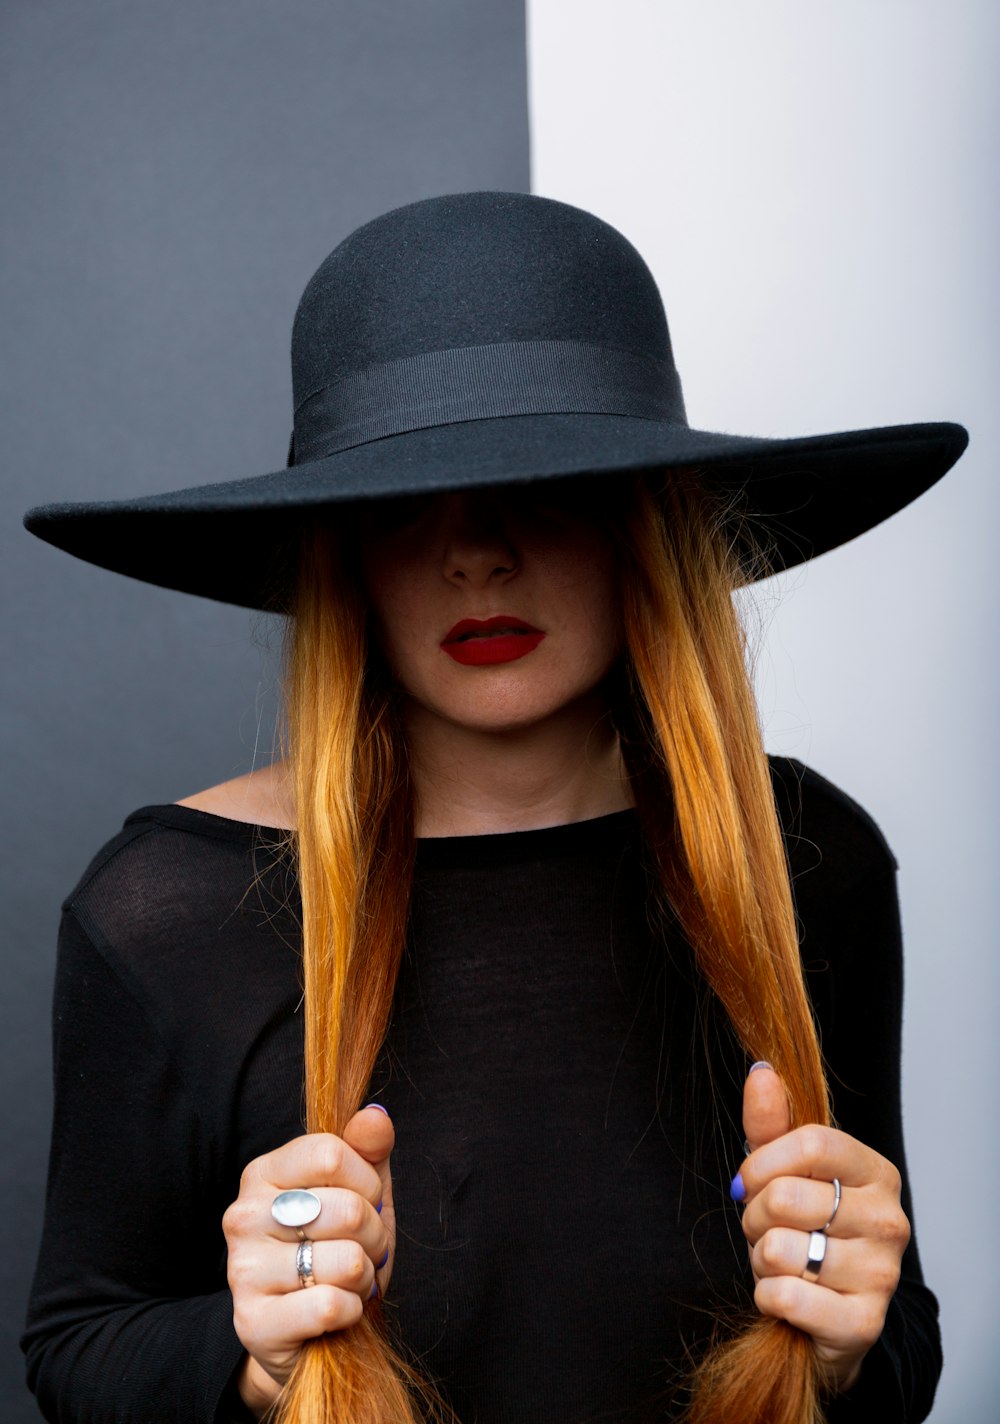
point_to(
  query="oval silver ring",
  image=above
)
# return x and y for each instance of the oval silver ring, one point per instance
(296, 1208)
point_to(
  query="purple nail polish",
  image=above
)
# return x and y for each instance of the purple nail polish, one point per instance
(374, 1290)
(379, 1106)
(383, 1260)
(379, 1208)
(736, 1189)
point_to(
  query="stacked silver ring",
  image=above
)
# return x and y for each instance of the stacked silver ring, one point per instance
(816, 1252)
(297, 1208)
(304, 1263)
(815, 1255)
(836, 1204)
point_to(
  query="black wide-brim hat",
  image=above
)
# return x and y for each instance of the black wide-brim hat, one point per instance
(481, 339)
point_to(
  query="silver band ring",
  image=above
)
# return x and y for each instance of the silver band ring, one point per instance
(815, 1256)
(836, 1204)
(296, 1208)
(304, 1263)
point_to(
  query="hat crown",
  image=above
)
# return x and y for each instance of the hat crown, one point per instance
(470, 269)
(481, 339)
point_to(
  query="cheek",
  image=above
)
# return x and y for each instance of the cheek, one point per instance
(591, 599)
(393, 593)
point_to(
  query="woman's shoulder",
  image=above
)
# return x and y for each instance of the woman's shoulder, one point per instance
(185, 922)
(183, 867)
(826, 828)
(261, 797)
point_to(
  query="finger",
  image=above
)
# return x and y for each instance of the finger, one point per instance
(298, 1315)
(848, 1267)
(345, 1264)
(814, 1151)
(317, 1159)
(805, 1204)
(371, 1133)
(343, 1215)
(838, 1323)
(766, 1114)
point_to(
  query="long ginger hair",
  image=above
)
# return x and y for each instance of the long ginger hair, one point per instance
(692, 747)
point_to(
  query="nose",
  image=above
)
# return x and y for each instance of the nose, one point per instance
(478, 548)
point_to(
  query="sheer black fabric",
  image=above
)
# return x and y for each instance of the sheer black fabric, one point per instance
(566, 1106)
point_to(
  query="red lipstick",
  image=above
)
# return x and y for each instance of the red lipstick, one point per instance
(477, 642)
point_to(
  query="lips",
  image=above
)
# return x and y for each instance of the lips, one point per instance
(476, 642)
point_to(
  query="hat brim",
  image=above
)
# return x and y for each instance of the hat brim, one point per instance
(230, 541)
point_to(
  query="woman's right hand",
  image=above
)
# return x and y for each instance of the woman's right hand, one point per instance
(354, 1246)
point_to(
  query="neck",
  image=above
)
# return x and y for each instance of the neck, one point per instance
(469, 781)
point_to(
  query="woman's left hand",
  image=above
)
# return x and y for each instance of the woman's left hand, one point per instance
(787, 1186)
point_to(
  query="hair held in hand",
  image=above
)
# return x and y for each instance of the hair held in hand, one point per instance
(692, 746)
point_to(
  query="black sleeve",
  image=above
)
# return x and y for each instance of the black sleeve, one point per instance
(130, 1320)
(854, 968)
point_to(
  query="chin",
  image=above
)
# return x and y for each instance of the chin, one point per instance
(515, 711)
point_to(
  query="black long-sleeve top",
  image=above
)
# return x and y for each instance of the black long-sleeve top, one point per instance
(567, 1114)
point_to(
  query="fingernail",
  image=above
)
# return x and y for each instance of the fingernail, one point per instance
(383, 1260)
(736, 1188)
(379, 1208)
(374, 1290)
(379, 1106)
(761, 1063)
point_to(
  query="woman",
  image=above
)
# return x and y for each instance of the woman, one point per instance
(539, 887)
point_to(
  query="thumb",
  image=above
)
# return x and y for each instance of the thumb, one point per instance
(766, 1113)
(371, 1134)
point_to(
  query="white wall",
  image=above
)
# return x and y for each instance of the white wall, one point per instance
(814, 187)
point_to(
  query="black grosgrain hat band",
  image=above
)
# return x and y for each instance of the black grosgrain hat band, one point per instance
(481, 382)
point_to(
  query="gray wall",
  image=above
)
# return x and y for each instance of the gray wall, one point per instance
(173, 173)
(817, 190)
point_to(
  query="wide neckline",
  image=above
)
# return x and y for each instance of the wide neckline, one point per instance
(495, 847)
(598, 833)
